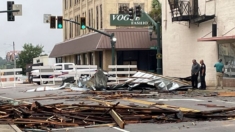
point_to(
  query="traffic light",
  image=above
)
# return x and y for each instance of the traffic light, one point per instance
(131, 13)
(10, 16)
(83, 23)
(59, 22)
(138, 11)
(52, 21)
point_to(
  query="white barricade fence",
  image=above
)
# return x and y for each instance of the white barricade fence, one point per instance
(116, 70)
(13, 78)
(89, 70)
(45, 72)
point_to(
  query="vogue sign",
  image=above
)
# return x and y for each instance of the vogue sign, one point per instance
(123, 20)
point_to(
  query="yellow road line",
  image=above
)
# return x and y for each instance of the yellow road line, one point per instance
(162, 106)
(102, 101)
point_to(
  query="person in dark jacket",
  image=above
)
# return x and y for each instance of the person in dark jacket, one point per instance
(194, 73)
(203, 74)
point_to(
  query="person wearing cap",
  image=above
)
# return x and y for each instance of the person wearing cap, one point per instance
(219, 66)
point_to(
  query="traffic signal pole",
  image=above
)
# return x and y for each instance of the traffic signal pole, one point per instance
(9, 11)
(159, 45)
(111, 36)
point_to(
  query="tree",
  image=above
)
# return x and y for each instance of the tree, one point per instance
(3, 62)
(26, 56)
(156, 12)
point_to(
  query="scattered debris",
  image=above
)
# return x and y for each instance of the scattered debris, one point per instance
(58, 115)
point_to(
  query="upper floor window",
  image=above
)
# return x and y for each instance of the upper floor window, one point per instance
(65, 4)
(141, 5)
(101, 16)
(97, 17)
(123, 8)
(71, 3)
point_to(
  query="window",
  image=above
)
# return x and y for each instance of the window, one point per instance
(92, 18)
(84, 59)
(58, 66)
(65, 31)
(70, 30)
(78, 28)
(76, 2)
(78, 60)
(67, 66)
(97, 17)
(89, 18)
(141, 5)
(227, 54)
(59, 60)
(101, 16)
(65, 4)
(91, 58)
(101, 59)
(123, 8)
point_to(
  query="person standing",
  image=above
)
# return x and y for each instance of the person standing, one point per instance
(202, 74)
(219, 73)
(194, 73)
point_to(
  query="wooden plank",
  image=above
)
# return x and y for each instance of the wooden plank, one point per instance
(113, 113)
(116, 117)
(227, 94)
(122, 66)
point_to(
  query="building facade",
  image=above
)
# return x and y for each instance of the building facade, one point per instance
(187, 38)
(86, 47)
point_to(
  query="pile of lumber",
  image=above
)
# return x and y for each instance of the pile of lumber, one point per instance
(59, 115)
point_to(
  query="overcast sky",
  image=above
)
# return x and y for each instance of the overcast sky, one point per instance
(29, 28)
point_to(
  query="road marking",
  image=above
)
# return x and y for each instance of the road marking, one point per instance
(163, 106)
(15, 100)
(122, 130)
(175, 100)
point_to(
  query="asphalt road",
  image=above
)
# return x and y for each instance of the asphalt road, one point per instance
(168, 99)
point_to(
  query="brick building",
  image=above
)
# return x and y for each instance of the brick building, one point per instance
(111, 16)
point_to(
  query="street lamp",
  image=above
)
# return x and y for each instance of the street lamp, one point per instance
(113, 42)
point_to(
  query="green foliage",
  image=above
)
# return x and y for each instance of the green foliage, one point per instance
(3, 62)
(156, 12)
(26, 56)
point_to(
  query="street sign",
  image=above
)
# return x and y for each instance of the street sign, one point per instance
(46, 18)
(17, 7)
(153, 47)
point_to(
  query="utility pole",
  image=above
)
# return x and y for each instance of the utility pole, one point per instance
(159, 45)
(14, 55)
(14, 62)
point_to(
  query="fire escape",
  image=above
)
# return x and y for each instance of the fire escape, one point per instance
(187, 10)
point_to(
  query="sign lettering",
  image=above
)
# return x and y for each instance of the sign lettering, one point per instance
(123, 20)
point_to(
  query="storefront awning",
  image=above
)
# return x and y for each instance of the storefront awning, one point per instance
(126, 39)
(223, 39)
